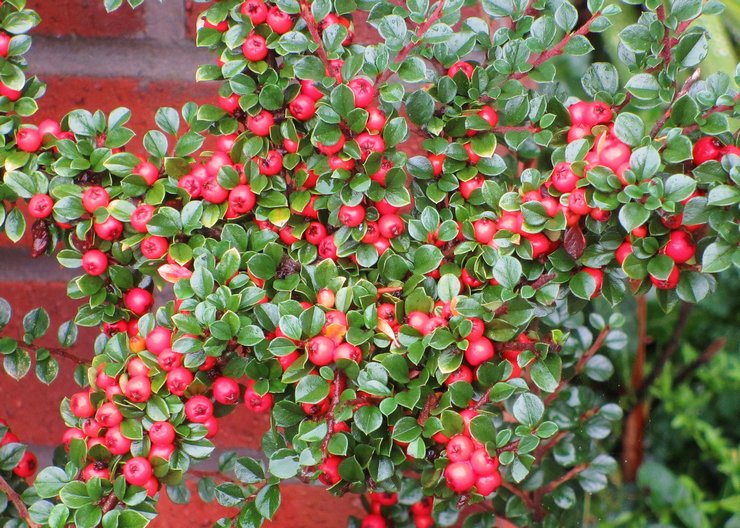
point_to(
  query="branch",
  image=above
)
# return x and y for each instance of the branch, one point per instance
(427, 409)
(557, 49)
(61, 352)
(683, 91)
(389, 289)
(524, 128)
(420, 31)
(565, 478)
(330, 415)
(17, 502)
(668, 351)
(108, 503)
(714, 110)
(313, 29)
(711, 351)
(580, 365)
(526, 499)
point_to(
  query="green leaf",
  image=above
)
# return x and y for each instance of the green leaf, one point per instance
(528, 409)
(311, 389)
(507, 271)
(633, 215)
(368, 418)
(629, 128)
(268, 501)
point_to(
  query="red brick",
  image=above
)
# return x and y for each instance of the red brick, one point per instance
(87, 18)
(143, 98)
(32, 408)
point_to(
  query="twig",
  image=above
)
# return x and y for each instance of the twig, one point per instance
(683, 91)
(389, 289)
(313, 29)
(526, 499)
(711, 351)
(62, 353)
(558, 48)
(714, 110)
(420, 31)
(524, 128)
(338, 379)
(668, 351)
(634, 423)
(565, 478)
(427, 409)
(580, 365)
(17, 502)
(542, 280)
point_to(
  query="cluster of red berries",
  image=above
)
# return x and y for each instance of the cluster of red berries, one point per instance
(28, 464)
(470, 465)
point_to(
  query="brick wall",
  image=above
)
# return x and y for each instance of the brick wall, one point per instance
(141, 59)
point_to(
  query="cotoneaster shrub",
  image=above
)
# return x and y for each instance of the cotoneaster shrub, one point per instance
(393, 249)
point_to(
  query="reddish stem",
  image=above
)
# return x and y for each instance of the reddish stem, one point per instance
(330, 415)
(313, 29)
(17, 502)
(557, 49)
(62, 353)
(420, 31)
(565, 478)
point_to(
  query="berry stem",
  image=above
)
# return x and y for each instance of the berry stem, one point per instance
(557, 49)
(420, 31)
(683, 91)
(17, 502)
(313, 29)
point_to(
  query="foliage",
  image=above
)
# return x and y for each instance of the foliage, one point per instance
(399, 249)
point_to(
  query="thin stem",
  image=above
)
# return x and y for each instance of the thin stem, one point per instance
(557, 49)
(17, 502)
(62, 353)
(427, 409)
(389, 289)
(313, 29)
(580, 365)
(711, 351)
(714, 110)
(523, 128)
(420, 31)
(338, 379)
(108, 503)
(670, 349)
(683, 91)
(570, 475)
(638, 369)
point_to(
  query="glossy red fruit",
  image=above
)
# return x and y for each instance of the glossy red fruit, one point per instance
(28, 139)
(108, 415)
(459, 476)
(320, 350)
(363, 90)
(597, 113)
(12, 95)
(375, 120)
(241, 199)
(226, 391)
(391, 225)
(159, 339)
(198, 409)
(302, 107)
(109, 229)
(40, 206)
(137, 471)
(4, 44)
(578, 112)
(27, 465)
(178, 380)
(706, 149)
(162, 433)
(467, 187)
(278, 20)
(577, 202)
(163, 451)
(256, 402)
(459, 448)
(138, 300)
(369, 143)
(154, 247)
(271, 164)
(669, 283)
(96, 470)
(623, 251)
(94, 197)
(484, 230)
(325, 297)
(680, 247)
(260, 124)
(309, 88)
(348, 351)
(94, 262)
(116, 443)
(148, 171)
(141, 216)
(329, 469)
(598, 276)
(315, 233)
(255, 48)
(463, 66)
(479, 351)
(563, 178)
(80, 405)
(488, 484)
(351, 215)
(373, 521)
(256, 10)
(482, 463)
(138, 389)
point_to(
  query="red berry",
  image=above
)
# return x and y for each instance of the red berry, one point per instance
(159, 339)
(563, 178)
(330, 470)
(108, 415)
(669, 283)
(138, 389)
(242, 199)
(483, 465)
(256, 10)
(363, 90)
(148, 171)
(375, 120)
(154, 247)
(320, 350)
(577, 202)
(460, 448)
(226, 391)
(488, 484)
(279, 21)
(706, 149)
(309, 88)
(178, 380)
(163, 451)
(255, 47)
(271, 164)
(598, 276)
(256, 402)
(40, 206)
(348, 351)
(28, 139)
(302, 107)
(328, 150)
(351, 215)
(459, 476)
(137, 471)
(260, 124)
(116, 443)
(623, 251)
(391, 225)
(80, 405)
(94, 197)
(27, 466)
(369, 143)
(198, 409)
(484, 230)
(4, 44)
(138, 300)
(373, 521)
(141, 216)
(479, 351)
(680, 247)
(467, 187)
(466, 68)
(162, 433)
(96, 470)
(109, 229)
